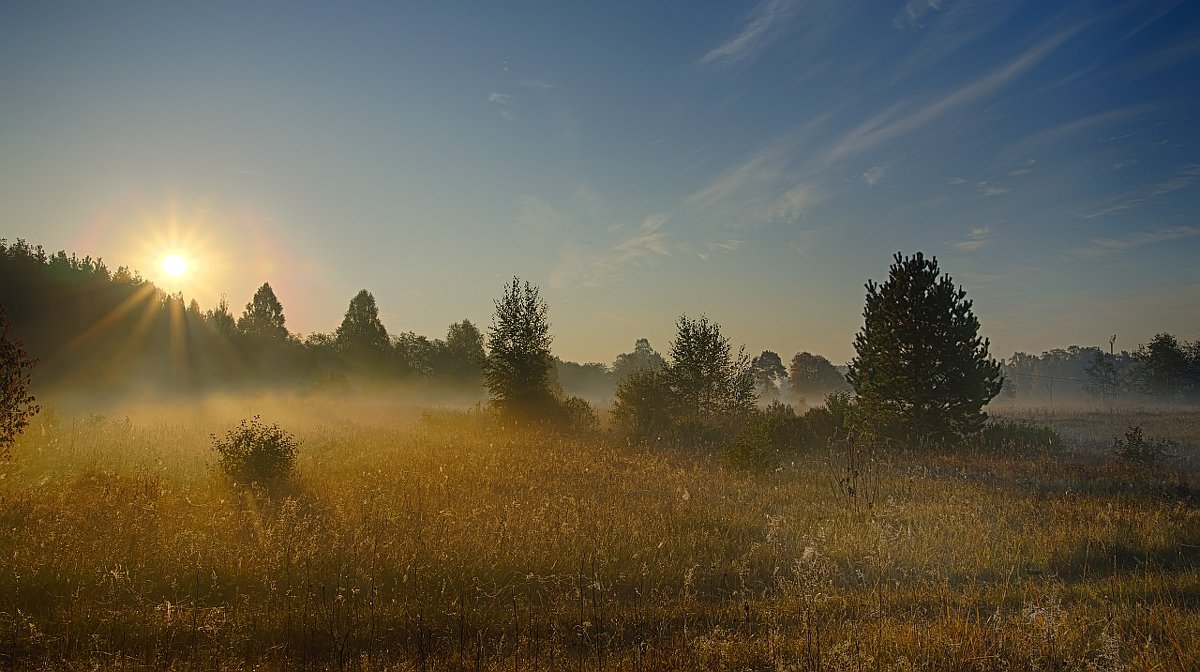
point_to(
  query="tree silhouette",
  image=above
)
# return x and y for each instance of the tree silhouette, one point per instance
(642, 358)
(709, 381)
(361, 335)
(814, 376)
(464, 355)
(1162, 368)
(767, 369)
(263, 318)
(517, 370)
(921, 370)
(16, 403)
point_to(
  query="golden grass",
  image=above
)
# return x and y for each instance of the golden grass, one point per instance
(446, 544)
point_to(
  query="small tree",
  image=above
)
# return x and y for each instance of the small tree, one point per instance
(16, 403)
(519, 363)
(645, 405)
(921, 370)
(361, 335)
(769, 374)
(1162, 368)
(464, 353)
(710, 382)
(642, 358)
(263, 317)
(256, 453)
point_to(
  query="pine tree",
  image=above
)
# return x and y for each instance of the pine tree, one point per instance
(361, 333)
(519, 363)
(921, 371)
(263, 317)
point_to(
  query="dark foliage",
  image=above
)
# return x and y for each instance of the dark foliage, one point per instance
(256, 453)
(921, 371)
(17, 404)
(519, 363)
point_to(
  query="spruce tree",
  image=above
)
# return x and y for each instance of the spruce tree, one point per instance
(921, 372)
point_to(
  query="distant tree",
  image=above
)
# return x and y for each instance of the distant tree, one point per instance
(812, 376)
(16, 403)
(263, 317)
(921, 370)
(769, 373)
(415, 355)
(1103, 380)
(645, 406)
(642, 358)
(519, 363)
(464, 354)
(361, 335)
(1163, 368)
(220, 319)
(710, 382)
(592, 379)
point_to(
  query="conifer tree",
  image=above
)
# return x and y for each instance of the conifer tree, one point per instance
(519, 363)
(921, 371)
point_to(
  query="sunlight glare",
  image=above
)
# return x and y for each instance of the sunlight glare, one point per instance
(174, 265)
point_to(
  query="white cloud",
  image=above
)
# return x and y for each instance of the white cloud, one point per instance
(912, 14)
(578, 267)
(500, 98)
(955, 181)
(1184, 180)
(976, 239)
(881, 128)
(537, 84)
(990, 190)
(791, 206)
(1103, 247)
(762, 26)
(874, 175)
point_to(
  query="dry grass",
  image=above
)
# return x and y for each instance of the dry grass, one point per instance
(445, 544)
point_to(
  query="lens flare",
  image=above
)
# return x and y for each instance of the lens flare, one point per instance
(174, 265)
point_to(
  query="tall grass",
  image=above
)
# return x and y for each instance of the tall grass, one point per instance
(447, 543)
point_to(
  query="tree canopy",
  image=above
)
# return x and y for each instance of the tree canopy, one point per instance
(263, 316)
(921, 371)
(519, 363)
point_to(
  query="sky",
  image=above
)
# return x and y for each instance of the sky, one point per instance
(754, 162)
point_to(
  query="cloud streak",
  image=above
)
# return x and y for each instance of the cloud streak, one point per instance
(593, 269)
(762, 27)
(891, 124)
(1103, 247)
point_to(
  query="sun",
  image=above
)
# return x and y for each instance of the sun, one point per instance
(174, 265)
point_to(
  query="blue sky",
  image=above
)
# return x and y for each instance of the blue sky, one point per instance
(755, 162)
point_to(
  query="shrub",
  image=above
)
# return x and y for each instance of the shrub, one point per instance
(16, 403)
(754, 449)
(1137, 448)
(834, 420)
(1007, 436)
(256, 453)
(577, 415)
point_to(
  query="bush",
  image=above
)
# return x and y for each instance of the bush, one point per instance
(256, 453)
(577, 415)
(1137, 448)
(1006, 436)
(834, 420)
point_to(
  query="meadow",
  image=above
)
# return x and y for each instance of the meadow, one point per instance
(435, 539)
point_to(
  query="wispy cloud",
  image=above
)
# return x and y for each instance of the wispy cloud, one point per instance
(991, 190)
(502, 101)
(1025, 168)
(976, 239)
(874, 175)
(1103, 247)
(882, 128)
(912, 15)
(762, 26)
(1086, 124)
(584, 268)
(537, 84)
(952, 25)
(791, 206)
(1186, 178)
(955, 181)
(1112, 208)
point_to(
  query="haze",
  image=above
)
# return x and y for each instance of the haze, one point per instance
(757, 163)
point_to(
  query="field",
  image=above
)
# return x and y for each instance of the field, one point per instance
(438, 541)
